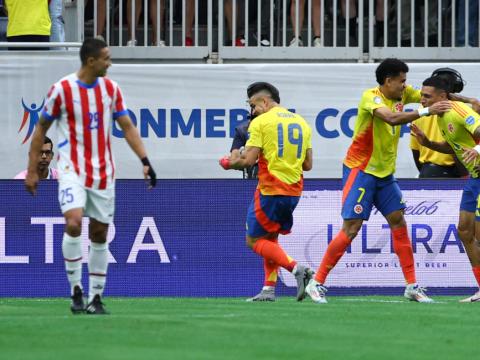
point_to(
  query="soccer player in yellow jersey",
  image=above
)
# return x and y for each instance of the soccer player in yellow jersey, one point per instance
(368, 174)
(281, 141)
(430, 163)
(460, 128)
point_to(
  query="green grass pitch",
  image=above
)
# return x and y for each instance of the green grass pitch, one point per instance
(198, 328)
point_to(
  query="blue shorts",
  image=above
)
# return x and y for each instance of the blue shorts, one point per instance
(270, 214)
(470, 197)
(361, 191)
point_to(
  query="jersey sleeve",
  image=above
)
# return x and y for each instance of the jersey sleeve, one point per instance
(471, 118)
(53, 105)
(308, 140)
(255, 137)
(411, 95)
(371, 101)
(119, 107)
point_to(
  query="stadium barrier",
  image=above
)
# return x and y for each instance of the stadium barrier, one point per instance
(186, 238)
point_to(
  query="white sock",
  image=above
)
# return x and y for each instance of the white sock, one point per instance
(72, 254)
(268, 288)
(97, 269)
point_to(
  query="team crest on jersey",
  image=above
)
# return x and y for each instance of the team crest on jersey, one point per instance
(377, 99)
(358, 209)
(450, 127)
(398, 107)
(470, 120)
(30, 112)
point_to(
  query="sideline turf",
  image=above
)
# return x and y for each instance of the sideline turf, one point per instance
(192, 328)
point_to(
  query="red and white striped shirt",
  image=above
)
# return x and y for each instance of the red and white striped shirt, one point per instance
(83, 113)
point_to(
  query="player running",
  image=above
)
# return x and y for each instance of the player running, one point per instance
(281, 141)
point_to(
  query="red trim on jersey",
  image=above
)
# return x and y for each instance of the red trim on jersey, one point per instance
(273, 185)
(361, 149)
(262, 218)
(71, 124)
(56, 106)
(119, 101)
(87, 136)
(348, 185)
(101, 139)
(110, 92)
(459, 110)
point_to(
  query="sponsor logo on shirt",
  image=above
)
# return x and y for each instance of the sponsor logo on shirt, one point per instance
(450, 127)
(377, 99)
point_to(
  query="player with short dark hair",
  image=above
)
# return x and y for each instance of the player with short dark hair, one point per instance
(368, 171)
(44, 170)
(82, 106)
(430, 163)
(460, 128)
(281, 141)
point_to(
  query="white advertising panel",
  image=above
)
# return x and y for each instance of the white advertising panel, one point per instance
(186, 114)
(431, 215)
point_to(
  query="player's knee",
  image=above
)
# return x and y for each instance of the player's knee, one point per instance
(352, 229)
(98, 236)
(74, 226)
(465, 233)
(250, 242)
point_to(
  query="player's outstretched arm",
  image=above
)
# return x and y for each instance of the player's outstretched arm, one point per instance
(442, 147)
(248, 158)
(308, 162)
(38, 137)
(135, 142)
(467, 100)
(403, 117)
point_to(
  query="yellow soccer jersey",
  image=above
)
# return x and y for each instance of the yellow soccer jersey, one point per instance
(457, 127)
(284, 138)
(428, 124)
(374, 144)
(28, 17)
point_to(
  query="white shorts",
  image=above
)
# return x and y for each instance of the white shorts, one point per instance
(96, 204)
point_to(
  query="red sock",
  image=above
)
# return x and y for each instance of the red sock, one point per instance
(335, 251)
(476, 272)
(270, 250)
(403, 248)
(271, 271)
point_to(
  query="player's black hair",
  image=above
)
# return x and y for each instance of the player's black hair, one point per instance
(91, 48)
(263, 86)
(390, 68)
(438, 83)
(452, 76)
(47, 140)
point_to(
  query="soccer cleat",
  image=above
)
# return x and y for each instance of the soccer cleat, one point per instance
(77, 306)
(416, 293)
(317, 42)
(188, 41)
(317, 292)
(303, 276)
(474, 298)
(264, 295)
(96, 307)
